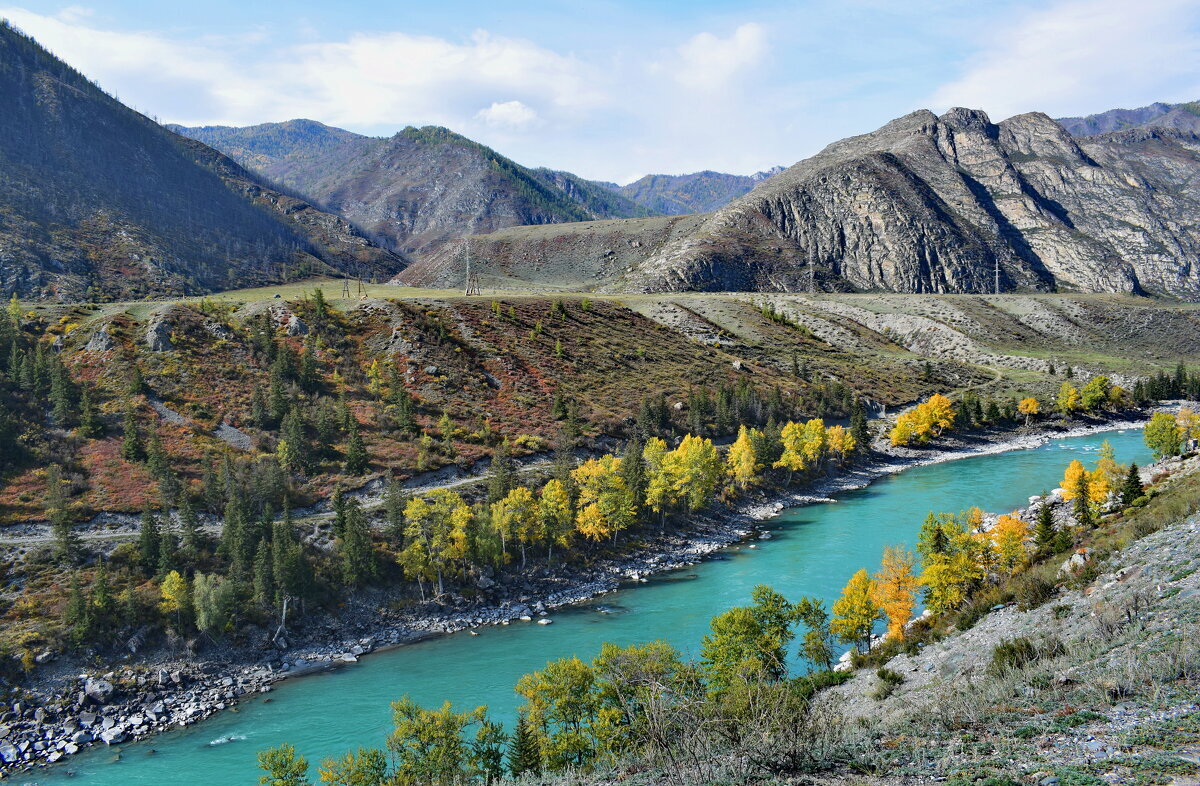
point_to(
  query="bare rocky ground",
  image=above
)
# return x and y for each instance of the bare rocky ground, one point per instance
(73, 704)
(1112, 695)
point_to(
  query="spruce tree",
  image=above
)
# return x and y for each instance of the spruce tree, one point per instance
(156, 457)
(62, 396)
(292, 432)
(503, 476)
(358, 557)
(189, 526)
(90, 425)
(168, 553)
(264, 580)
(394, 502)
(858, 426)
(1132, 488)
(524, 756)
(356, 452)
(131, 441)
(1044, 532)
(633, 472)
(77, 616)
(1083, 503)
(66, 540)
(149, 542)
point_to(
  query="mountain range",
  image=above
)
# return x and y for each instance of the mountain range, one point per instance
(924, 204)
(417, 189)
(98, 200)
(1185, 117)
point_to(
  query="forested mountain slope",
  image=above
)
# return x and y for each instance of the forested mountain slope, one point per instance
(924, 204)
(94, 196)
(417, 189)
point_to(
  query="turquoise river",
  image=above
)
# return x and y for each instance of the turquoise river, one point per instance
(813, 551)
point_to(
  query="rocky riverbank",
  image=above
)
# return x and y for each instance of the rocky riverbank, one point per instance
(69, 710)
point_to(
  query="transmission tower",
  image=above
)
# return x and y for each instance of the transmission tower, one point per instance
(997, 272)
(472, 282)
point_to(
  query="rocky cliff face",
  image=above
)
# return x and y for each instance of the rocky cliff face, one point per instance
(944, 204)
(419, 189)
(94, 196)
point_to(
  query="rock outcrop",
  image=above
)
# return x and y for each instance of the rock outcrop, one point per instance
(926, 204)
(947, 204)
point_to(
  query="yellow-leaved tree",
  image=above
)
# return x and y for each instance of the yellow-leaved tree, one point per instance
(1068, 399)
(855, 612)
(792, 457)
(841, 443)
(604, 505)
(557, 517)
(1029, 407)
(516, 517)
(743, 463)
(1009, 536)
(895, 588)
(174, 590)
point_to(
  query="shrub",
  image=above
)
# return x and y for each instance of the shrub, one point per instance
(1012, 655)
(888, 682)
(1033, 590)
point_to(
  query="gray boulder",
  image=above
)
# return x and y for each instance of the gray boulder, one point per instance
(158, 335)
(295, 326)
(99, 691)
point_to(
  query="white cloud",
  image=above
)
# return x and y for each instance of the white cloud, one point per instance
(508, 114)
(379, 79)
(707, 62)
(1081, 57)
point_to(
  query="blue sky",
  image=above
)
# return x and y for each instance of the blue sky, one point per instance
(613, 89)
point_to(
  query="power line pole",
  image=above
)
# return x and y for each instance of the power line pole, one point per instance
(997, 292)
(472, 283)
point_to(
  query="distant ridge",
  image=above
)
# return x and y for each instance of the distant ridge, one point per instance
(417, 189)
(1185, 117)
(699, 192)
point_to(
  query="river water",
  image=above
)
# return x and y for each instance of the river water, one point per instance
(813, 551)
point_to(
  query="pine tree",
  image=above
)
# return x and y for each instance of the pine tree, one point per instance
(524, 753)
(156, 457)
(189, 526)
(90, 425)
(1132, 488)
(502, 477)
(858, 425)
(1044, 534)
(78, 616)
(356, 452)
(149, 541)
(131, 442)
(66, 540)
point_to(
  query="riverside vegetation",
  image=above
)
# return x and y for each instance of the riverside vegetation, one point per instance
(645, 713)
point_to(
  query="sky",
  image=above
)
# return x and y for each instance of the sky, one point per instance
(615, 89)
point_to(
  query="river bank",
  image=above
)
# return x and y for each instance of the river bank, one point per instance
(222, 676)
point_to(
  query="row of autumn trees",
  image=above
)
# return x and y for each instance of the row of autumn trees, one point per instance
(738, 700)
(957, 556)
(193, 581)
